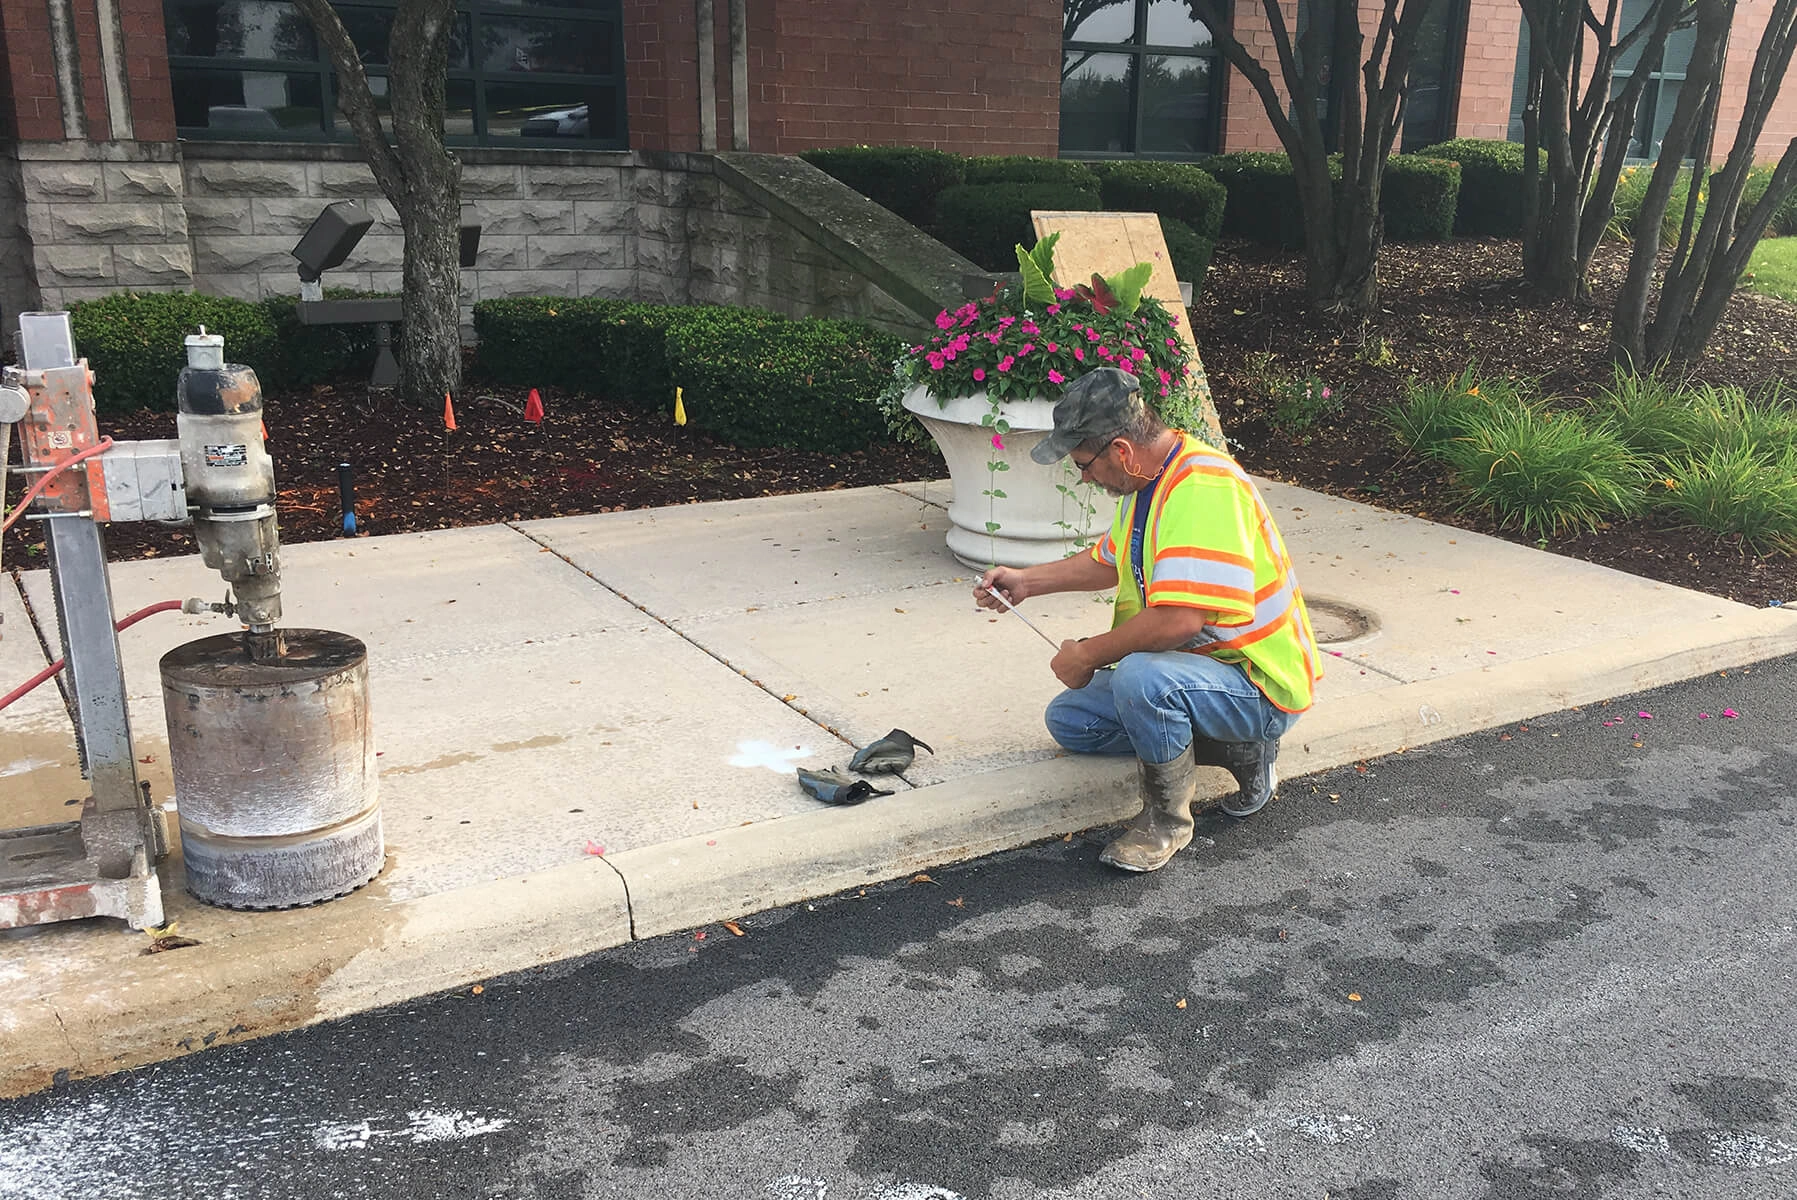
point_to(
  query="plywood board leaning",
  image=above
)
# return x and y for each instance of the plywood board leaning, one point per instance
(1105, 243)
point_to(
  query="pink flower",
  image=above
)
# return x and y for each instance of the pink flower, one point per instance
(1052, 347)
(1005, 363)
(917, 349)
(944, 321)
(1091, 334)
(993, 338)
(1137, 354)
(1030, 327)
(998, 441)
(1053, 309)
(1055, 376)
(949, 354)
(1164, 392)
(1325, 393)
(1173, 343)
(1006, 322)
(979, 374)
(1126, 366)
(1027, 347)
(1105, 352)
(1078, 354)
(1165, 378)
(1173, 320)
(936, 361)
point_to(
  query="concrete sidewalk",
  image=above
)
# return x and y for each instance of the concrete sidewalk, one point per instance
(647, 681)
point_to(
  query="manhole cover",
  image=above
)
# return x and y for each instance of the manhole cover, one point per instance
(1335, 621)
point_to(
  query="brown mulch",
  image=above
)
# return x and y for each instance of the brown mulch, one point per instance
(1444, 305)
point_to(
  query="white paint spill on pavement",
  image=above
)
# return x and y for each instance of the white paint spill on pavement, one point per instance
(766, 754)
(423, 1126)
(1649, 1140)
(797, 1187)
(1331, 1131)
(1738, 1148)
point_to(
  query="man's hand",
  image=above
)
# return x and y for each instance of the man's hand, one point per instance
(1009, 580)
(1073, 665)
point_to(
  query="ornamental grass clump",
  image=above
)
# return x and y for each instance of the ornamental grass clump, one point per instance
(1738, 490)
(1544, 472)
(1432, 414)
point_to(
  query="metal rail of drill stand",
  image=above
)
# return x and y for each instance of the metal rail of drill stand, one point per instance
(104, 863)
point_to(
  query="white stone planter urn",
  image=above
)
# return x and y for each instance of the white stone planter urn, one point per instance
(1045, 514)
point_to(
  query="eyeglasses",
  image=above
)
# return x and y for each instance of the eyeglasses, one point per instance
(1086, 466)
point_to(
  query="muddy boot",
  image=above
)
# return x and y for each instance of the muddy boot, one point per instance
(1252, 765)
(1164, 826)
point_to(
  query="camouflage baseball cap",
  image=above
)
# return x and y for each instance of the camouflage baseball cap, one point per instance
(1098, 404)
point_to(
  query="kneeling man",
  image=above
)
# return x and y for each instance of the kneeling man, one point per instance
(1210, 657)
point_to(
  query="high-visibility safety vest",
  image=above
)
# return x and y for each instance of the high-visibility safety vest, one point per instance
(1210, 543)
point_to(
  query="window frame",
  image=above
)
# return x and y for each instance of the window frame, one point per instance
(331, 130)
(1137, 49)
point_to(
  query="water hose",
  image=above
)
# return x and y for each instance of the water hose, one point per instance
(120, 625)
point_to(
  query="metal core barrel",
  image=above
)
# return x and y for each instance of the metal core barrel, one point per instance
(274, 771)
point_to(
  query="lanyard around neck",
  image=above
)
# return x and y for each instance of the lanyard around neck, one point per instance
(1144, 501)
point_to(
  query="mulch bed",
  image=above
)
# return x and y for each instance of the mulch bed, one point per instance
(1444, 305)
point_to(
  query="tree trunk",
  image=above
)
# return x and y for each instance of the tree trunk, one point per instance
(416, 174)
(1565, 221)
(1342, 224)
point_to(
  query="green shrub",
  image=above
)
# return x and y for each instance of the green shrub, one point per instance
(988, 221)
(1022, 168)
(1187, 253)
(1736, 489)
(613, 349)
(1263, 197)
(1417, 198)
(1544, 472)
(807, 385)
(1491, 195)
(905, 179)
(135, 343)
(312, 354)
(1175, 191)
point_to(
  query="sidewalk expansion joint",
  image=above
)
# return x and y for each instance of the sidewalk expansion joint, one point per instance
(701, 647)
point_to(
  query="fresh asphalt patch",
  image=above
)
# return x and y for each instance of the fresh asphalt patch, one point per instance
(1554, 959)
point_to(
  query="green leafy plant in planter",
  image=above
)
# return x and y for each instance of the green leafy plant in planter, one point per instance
(1030, 338)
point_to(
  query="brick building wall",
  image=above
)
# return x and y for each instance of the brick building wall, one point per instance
(1488, 69)
(31, 105)
(146, 70)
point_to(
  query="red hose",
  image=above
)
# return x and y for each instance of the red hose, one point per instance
(100, 447)
(53, 668)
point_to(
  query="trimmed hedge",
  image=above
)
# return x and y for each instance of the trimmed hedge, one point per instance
(1187, 253)
(804, 385)
(1263, 197)
(751, 377)
(988, 221)
(905, 179)
(1022, 168)
(1175, 191)
(1491, 196)
(135, 343)
(1418, 198)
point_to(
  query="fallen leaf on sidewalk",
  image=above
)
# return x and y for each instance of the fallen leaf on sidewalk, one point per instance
(699, 935)
(477, 989)
(1354, 996)
(168, 943)
(788, 696)
(922, 879)
(1181, 1004)
(734, 928)
(957, 902)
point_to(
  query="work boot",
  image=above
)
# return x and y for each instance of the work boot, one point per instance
(1164, 826)
(1252, 765)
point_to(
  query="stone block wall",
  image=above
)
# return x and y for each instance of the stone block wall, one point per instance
(223, 218)
(98, 218)
(659, 228)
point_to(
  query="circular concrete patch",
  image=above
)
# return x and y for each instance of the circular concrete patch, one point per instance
(1336, 621)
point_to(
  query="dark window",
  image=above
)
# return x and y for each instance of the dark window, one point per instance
(1434, 76)
(1138, 78)
(1658, 99)
(521, 72)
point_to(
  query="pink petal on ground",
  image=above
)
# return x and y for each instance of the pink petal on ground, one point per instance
(1645, 716)
(1491, 652)
(1455, 591)
(1730, 713)
(594, 848)
(1703, 716)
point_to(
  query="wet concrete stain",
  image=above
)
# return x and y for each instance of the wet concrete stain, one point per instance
(1563, 1167)
(1734, 1100)
(535, 743)
(1515, 937)
(436, 764)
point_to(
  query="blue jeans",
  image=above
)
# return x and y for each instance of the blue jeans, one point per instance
(1152, 705)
